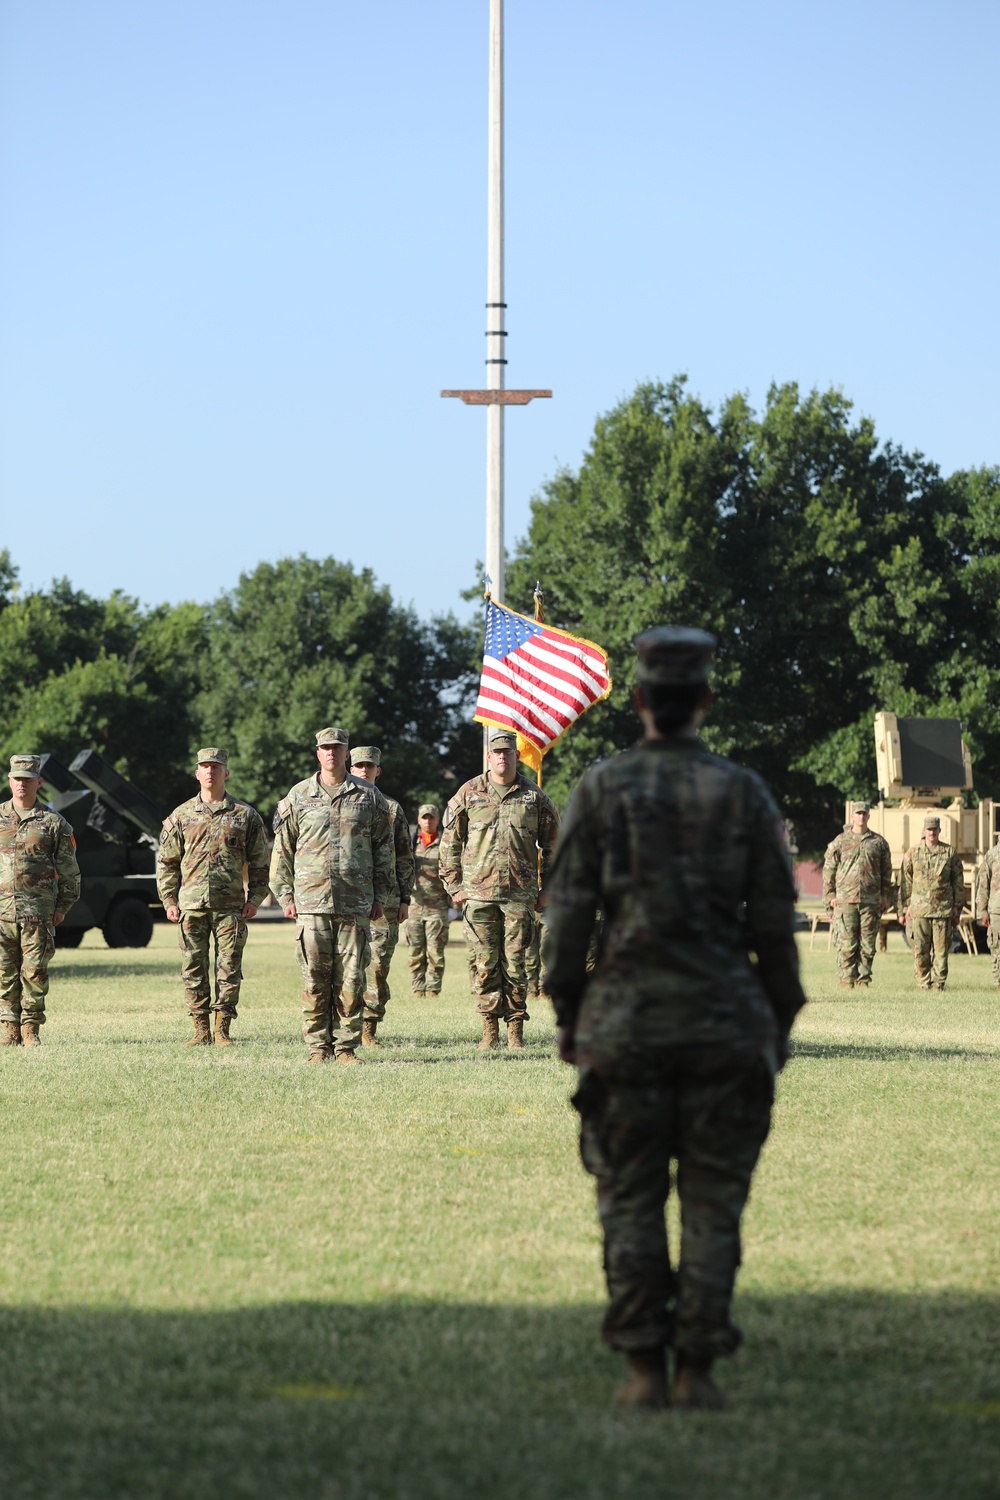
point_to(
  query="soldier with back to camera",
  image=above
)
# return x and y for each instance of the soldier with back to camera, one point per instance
(676, 1032)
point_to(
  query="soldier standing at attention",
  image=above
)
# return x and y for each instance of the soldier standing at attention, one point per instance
(931, 896)
(39, 882)
(676, 1033)
(199, 876)
(366, 764)
(988, 905)
(332, 873)
(857, 886)
(427, 928)
(494, 827)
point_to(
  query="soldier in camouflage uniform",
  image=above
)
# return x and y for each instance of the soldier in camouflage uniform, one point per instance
(494, 828)
(332, 873)
(39, 882)
(676, 1033)
(366, 764)
(857, 887)
(204, 846)
(427, 927)
(988, 905)
(931, 895)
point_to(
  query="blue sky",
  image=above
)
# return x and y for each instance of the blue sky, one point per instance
(244, 249)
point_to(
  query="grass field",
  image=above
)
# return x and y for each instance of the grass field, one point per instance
(226, 1274)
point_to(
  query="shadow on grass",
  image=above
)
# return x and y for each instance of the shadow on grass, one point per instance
(113, 967)
(864, 1395)
(891, 1052)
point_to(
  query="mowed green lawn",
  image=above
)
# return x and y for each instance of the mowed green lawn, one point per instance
(228, 1274)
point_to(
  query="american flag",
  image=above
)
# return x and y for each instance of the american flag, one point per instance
(536, 680)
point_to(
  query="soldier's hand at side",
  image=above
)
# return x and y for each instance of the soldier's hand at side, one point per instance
(290, 911)
(249, 911)
(404, 912)
(57, 917)
(543, 901)
(173, 913)
(566, 1044)
(376, 911)
(458, 900)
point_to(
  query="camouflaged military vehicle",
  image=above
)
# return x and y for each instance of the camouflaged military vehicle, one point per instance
(117, 830)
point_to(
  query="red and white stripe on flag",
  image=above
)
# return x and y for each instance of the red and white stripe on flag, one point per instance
(537, 680)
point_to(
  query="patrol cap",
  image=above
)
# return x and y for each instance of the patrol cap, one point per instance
(26, 765)
(502, 739)
(673, 656)
(429, 810)
(213, 756)
(860, 807)
(366, 755)
(931, 822)
(331, 736)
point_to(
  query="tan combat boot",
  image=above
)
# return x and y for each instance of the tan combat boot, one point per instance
(694, 1389)
(223, 1021)
(348, 1057)
(368, 1030)
(647, 1382)
(11, 1034)
(202, 1033)
(320, 1055)
(491, 1034)
(29, 1034)
(515, 1034)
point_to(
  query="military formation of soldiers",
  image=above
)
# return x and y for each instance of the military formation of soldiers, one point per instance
(670, 957)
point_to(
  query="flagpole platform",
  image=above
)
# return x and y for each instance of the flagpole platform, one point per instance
(496, 397)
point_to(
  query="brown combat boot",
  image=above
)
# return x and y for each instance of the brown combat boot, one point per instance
(223, 1021)
(202, 1033)
(515, 1034)
(320, 1055)
(847, 984)
(647, 1382)
(368, 1039)
(694, 1389)
(11, 1034)
(491, 1034)
(348, 1057)
(29, 1034)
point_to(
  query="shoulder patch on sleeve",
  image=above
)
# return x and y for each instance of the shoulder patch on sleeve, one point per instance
(168, 823)
(281, 812)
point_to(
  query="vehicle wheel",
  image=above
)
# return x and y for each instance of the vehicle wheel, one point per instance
(69, 937)
(129, 924)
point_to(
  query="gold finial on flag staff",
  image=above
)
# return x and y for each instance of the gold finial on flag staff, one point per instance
(539, 604)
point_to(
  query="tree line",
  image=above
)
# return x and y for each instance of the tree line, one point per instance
(841, 575)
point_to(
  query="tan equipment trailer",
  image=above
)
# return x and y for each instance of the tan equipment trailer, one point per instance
(921, 764)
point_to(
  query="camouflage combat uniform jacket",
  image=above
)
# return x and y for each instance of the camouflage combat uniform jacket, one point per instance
(988, 889)
(203, 848)
(491, 841)
(857, 870)
(39, 875)
(402, 851)
(687, 855)
(429, 894)
(333, 849)
(931, 881)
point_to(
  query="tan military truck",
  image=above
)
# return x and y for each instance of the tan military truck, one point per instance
(922, 763)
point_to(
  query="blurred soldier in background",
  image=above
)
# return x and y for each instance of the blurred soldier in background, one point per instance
(988, 905)
(857, 887)
(204, 846)
(494, 828)
(676, 1033)
(39, 882)
(427, 927)
(332, 873)
(366, 764)
(931, 894)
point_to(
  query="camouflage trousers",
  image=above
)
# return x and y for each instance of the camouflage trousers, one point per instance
(993, 943)
(498, 934)
(710, 1111)
(856, 930)
(930, 935)
(25, 950)
(426, 938)
(383, 937)
(333, 955)
(533, 960)
(197, 929)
